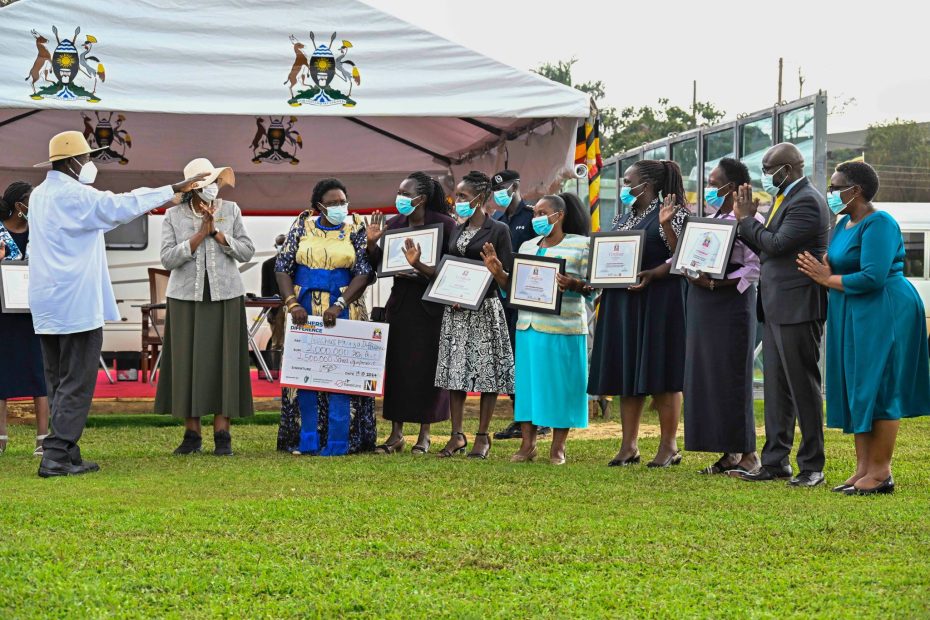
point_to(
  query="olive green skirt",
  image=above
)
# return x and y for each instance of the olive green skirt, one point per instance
(205, 364)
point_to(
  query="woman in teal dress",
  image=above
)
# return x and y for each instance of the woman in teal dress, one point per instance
(552, 350)
(877, 360)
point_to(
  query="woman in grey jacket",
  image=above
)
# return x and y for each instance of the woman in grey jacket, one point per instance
(205, 364)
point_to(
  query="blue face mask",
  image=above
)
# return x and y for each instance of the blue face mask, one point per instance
(835, 201)
(337, 214)
(464, 209)
(404, 205)
(542, 226)
(713, 198)
(626, 194)
(502, 198)
(768, 182)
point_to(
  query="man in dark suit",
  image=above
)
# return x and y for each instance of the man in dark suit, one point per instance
(793, 309)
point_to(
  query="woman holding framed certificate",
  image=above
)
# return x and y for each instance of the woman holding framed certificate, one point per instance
(721, 341)
(21, 365)
(474, 347)
(410, 393)
(552, 349)
(639, 340)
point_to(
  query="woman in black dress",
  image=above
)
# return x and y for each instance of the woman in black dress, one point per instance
(639, 340)
(721, 328)
(410, 393)
(21, 366)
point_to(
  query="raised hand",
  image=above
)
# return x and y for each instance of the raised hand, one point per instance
(188, 184)
(668, 210)
(745, 205)
(491, 261)
(2, 250)
(412, 252)
(375, 227)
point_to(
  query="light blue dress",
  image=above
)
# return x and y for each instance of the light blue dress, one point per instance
(877, 358)
(552, 349)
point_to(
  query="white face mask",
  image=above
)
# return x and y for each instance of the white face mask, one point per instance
(209, 193)
(88, 173)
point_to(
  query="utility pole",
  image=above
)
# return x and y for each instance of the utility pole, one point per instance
(694, 104)
(781, 66)
(800, 83)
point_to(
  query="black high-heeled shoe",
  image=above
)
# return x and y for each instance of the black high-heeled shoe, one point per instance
(474, 454)
(632, 460)
(675, 459)
(885, 488)
(446, 452)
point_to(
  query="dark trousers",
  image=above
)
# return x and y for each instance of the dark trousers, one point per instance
(71, 374)
(792, 393)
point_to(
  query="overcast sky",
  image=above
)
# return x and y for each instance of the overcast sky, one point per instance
(875, 52)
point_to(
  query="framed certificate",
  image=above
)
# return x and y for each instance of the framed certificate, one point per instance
(393, 260)
(704, 246)
(459, 281)
(533, 285)
(615, 258)
(14, 286)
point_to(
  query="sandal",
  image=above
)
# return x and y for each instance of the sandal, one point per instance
(632, 460)
(420, 449)
(449, 452)
(474, 454)
(40, 449)
(719, 467)
(391, 448)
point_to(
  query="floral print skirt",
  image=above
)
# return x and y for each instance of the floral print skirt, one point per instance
(474, 350)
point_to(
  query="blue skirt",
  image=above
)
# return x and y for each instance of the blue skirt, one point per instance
(552, 372)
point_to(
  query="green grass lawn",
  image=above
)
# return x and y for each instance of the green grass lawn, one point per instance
(267, 535)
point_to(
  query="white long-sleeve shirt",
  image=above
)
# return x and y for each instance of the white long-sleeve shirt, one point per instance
(69, 284)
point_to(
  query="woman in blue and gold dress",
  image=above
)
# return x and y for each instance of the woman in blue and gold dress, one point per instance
(323, 270)
(877, 366)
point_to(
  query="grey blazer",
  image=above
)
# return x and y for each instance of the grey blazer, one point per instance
(802, 223)
(219, 262)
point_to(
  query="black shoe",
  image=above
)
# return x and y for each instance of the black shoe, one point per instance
(542, 431)
(807, 479)
(675, 459)
(764, 474)
(222, 444)
(633, 460)
(49, 468)
(841, 488)
(192, 443)
(885, 488)
(511, 432)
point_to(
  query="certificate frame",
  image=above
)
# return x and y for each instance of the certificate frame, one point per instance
(391, 238)
(8, 280)
(450, 267)
(692, 254)
(632, 238)
(519, 300)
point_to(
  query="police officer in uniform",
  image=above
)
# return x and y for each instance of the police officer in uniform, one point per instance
(519, 218)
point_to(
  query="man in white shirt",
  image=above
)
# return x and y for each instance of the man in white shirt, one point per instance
(69, 286)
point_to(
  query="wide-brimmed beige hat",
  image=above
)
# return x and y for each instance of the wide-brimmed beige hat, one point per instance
(223, 176)
(65, 145)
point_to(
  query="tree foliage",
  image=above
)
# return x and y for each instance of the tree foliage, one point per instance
(632, 126)
(900, 152)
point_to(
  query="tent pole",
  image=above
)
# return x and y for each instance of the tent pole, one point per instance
(18, 117)
(404, 141)
(488, 128)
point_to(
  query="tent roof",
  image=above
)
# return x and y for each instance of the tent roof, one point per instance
(234, 57)
(163, 82)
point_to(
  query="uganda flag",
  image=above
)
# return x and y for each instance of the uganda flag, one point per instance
(588, 152)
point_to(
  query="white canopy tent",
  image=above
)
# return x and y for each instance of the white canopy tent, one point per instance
(285, 92)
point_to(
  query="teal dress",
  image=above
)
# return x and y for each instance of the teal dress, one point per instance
(877, 359)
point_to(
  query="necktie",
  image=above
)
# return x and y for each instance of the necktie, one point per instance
(778, 200)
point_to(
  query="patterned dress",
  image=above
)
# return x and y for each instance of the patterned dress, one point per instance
(323, 260)
(474, 347)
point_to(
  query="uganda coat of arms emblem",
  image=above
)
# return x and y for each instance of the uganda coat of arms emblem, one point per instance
(322, 67)
(110, 137)
(67, 66)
